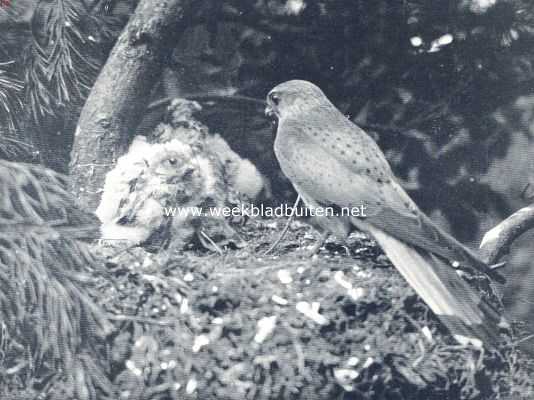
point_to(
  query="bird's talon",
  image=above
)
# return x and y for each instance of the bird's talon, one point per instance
(317, 246)
(315, 249)
(347, 250)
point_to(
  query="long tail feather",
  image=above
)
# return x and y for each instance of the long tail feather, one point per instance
(462, 311)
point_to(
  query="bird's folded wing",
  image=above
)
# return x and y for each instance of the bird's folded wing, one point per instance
(421, 232)
(389, 208)
(363, 177)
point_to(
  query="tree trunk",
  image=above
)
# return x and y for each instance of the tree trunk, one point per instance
(117, 100)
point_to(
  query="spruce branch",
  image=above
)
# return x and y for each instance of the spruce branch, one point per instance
(45, 275)
(68, 47)
(10, 98)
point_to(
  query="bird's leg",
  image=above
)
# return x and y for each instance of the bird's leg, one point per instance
(327, 226)
(320, 243)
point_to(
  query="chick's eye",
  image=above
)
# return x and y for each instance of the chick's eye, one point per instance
(173, 161)
(275, 99)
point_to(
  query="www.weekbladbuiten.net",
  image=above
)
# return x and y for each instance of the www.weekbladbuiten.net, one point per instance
(251, 210)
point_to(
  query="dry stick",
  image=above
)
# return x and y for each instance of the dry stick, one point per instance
(524, 339)
(286, 228)
(497, 241)
(217, 248)
(135, 318)
(206, 97)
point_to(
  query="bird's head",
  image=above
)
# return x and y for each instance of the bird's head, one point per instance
(173, 165)
(294, 97)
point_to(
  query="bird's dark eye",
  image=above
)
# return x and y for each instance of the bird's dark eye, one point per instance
(275, 99)
(173, 161)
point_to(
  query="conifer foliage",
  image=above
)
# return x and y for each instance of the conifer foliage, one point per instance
(69, 43)
(49, 321)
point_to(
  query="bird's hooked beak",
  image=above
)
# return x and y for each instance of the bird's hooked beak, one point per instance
(271, 115)
(269, 112)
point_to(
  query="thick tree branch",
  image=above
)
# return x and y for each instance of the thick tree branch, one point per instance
(118, 98)
(497, 241)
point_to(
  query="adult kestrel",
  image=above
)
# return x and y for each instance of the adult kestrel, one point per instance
(333, 163)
